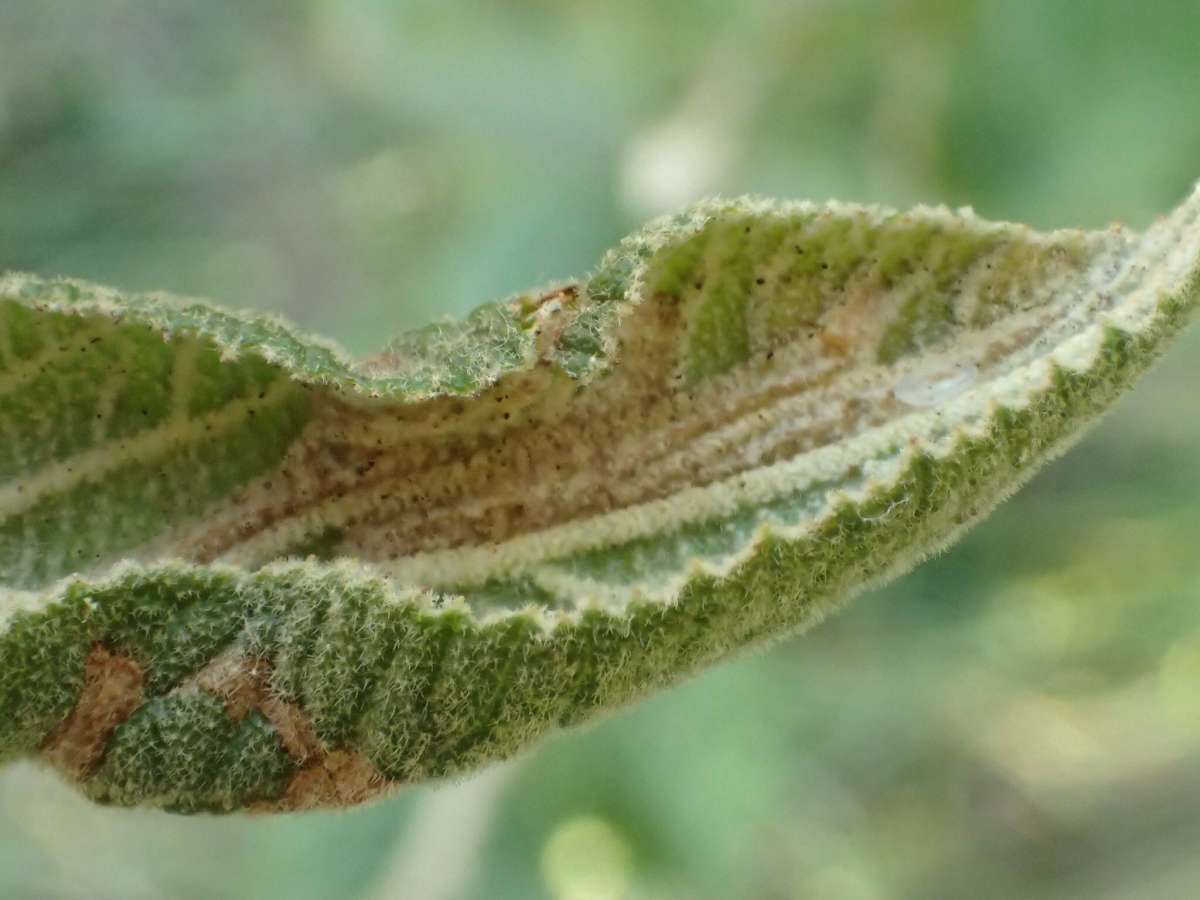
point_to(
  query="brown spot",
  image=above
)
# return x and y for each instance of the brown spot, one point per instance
(243, 682)
(326, 778)
(112, 690)
(835, 344)
(553, 313)
(340, 779)
(566, 293)
(293, 727)
(231, 677)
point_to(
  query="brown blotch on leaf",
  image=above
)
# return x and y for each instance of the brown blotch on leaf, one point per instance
(232, 677)
(341, 778)
(567, 293)
(112, 691)
(325, 778)
(293, 727)
(243, 682)
(835, 344)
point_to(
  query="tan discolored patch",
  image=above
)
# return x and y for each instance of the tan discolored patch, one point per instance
(390, 483)
(243, 682)
(112, 691)
(835, 344)
(551, 315)
(339, 779)
(293, 727)
(325, 778)
(232, 677)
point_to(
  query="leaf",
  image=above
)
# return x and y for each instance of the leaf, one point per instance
(242, 571)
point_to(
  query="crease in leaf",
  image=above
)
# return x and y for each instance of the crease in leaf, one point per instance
(241, 571)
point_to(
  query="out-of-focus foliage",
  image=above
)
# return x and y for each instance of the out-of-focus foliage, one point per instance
(1018, 718)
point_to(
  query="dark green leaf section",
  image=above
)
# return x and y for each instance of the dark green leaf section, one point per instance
(116, 425)
(173, 629)
(185, 754)
(42, 658)
(133, 503)
(738, 267)
(426, 692)
(94, 379)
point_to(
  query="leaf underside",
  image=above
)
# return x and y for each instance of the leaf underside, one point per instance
(239, 571)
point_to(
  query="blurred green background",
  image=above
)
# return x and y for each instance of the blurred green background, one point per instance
(1018, 718)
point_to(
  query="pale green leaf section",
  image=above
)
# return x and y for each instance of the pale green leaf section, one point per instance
(239, 570)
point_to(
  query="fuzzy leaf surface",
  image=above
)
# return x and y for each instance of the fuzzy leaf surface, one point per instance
(240, 571)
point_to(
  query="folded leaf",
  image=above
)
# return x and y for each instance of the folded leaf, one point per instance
(238, 570)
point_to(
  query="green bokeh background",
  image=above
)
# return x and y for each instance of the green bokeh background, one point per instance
(1018, 718)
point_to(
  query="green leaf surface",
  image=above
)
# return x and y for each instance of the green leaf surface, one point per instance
(239, 570)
